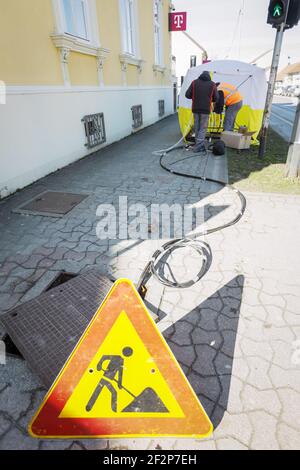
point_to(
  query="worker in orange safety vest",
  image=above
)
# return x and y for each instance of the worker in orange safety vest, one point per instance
(233, 101)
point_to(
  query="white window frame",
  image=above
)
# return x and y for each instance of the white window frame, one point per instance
(86, 17)
(92, 26)
(158, 34)
(129, 27)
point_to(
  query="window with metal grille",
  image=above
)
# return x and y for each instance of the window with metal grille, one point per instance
(137, 116)
(161, 108)
(94, 129)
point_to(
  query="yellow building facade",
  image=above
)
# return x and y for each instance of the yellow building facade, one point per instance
(62, 60)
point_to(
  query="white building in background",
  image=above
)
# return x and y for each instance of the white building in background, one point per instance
(184, 49)
(290, 75)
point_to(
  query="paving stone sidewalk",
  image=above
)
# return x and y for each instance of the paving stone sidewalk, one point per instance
(236, 333)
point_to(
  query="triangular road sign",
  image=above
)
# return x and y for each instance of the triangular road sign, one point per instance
(121, 380)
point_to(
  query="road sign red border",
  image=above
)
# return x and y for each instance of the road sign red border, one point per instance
(122, 297)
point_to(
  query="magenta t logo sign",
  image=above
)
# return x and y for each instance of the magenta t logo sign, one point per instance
(178, 21)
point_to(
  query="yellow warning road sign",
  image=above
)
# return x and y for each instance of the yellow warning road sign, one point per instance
(121, 380)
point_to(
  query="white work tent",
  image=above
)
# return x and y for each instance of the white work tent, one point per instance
(249, 79)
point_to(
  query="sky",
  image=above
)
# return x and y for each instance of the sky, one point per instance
(224, 32)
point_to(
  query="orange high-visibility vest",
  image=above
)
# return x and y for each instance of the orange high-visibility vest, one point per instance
(231, 94)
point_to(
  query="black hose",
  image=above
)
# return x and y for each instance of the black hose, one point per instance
(202, 248)
(221, 183)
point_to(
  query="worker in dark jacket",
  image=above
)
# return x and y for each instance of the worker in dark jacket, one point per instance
(203, 92)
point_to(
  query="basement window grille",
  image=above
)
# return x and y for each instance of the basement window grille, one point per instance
(161, 108)
(94, 130)
(137, 116)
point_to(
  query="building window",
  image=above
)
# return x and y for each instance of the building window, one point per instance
(158, 33)
(128, 20)
(76, 18)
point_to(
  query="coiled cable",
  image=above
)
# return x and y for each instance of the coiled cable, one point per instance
(153, 268)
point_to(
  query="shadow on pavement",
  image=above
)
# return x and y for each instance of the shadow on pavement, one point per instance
(203, 342)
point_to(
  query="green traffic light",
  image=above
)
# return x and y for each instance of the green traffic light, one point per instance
(277, 11)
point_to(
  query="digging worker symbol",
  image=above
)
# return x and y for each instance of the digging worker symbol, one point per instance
(112, 379)
(113, 373)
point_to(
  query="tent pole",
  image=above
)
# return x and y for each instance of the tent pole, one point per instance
(271, 88)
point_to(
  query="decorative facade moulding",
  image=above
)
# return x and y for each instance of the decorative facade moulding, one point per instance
(102, 55)
(64, 41)
(67, 44)
(64, 55)
(159, 68)
(124, 67)
(127, 59)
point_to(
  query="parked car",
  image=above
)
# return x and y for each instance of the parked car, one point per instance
(286, 90)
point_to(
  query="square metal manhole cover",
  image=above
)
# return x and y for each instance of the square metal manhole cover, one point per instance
(46, 329)
(51, 204)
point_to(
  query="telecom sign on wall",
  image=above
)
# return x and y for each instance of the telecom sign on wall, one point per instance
(178, 21)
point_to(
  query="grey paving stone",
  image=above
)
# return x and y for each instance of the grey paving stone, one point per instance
(5, 424)
(16, 440)
(205, 360)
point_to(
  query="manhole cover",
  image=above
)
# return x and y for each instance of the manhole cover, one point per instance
(46, 329)
(51, 204)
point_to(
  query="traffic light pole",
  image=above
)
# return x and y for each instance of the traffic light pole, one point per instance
(271, 88)
(293, 161)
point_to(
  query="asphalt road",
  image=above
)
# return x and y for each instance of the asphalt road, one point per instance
(283, 115)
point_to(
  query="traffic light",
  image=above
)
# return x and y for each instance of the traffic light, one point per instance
(293, 17)
(278, 11)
